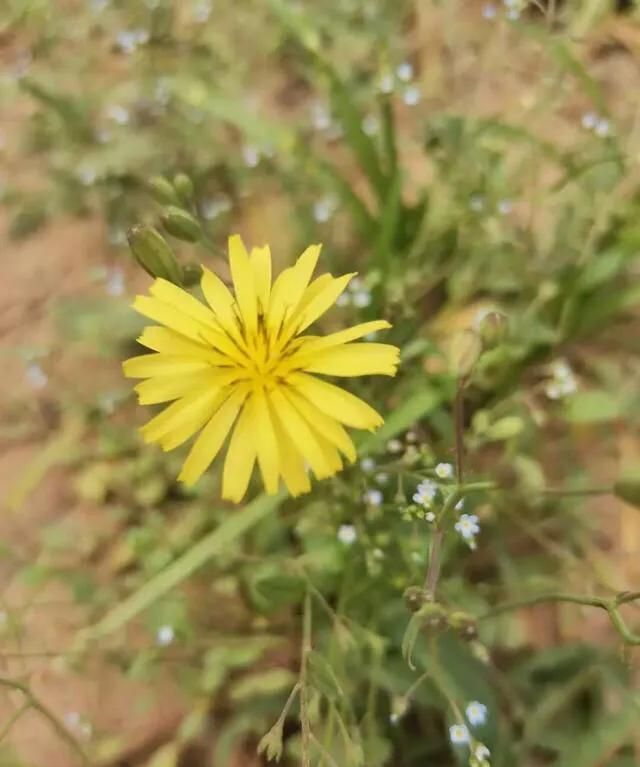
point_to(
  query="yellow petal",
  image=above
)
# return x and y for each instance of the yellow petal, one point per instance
(261, 264)
(342, 336)
(322, 424)
(243, 283)
(167, 315)
(289, 288)
(211, 439)
(336, 402)
(292, 467)
(302, 435)
(359, 359)
(182, 301)
(185, 416)
(148, 365)
(266, 443)
(221, 302)
(166, 388)
(169, 341)
(241, 457)
(325, 299)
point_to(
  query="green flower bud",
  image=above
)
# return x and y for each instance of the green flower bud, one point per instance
(493, 329)
(628, 490)
(181, 224)
(464, 352)
(162, 191)
(191, 275)
(184, 187)
(414, 598)
(153, 253)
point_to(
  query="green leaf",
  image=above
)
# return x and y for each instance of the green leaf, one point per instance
(417, 406)
(270, 682)
(322, 676)
(606, 735)
(592, 407)
(236, 524)
(276, 590)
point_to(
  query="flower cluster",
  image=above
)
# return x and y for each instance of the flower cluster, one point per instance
(459, 734)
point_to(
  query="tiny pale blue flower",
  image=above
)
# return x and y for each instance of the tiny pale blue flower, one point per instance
(476, 713)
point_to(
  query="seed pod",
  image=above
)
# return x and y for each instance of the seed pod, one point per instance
(181, 224)
(162, 191)
(153, 253)
(464, 352)
(184, 187)
(493, 329)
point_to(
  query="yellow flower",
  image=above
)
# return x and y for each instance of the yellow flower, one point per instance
(241, 363)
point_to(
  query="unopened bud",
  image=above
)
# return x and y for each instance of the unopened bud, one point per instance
(464, 352)
(153, 254)
(493, 329)
(181, 224)
(191, 275)
(162, 191)
(628, 490)
(414, 598)
(184, 187)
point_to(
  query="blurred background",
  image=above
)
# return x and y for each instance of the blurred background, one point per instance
(464, 157)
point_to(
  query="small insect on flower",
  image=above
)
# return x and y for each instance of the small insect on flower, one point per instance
(459, 734)
(242, 365)
(476, 713)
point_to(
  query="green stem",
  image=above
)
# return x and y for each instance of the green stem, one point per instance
(233, 527)
(35, 703)
(609, 605)
(304, 688)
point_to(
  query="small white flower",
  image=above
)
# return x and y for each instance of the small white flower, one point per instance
(251, 156)
(602, 128)
(362, 299)
(323, 209)
(589, 120)
(425, 493)
(467, 526)
(460, 505)
(201, 12)
(368, 464)
(444, 470)
(214, 206)
(430, 516)
(72, 719)
(115, 283)
(344, 299)
(459, 734)
(356, 285)
(370, 125)
(386, 84)
(505, 207)
(489, 11)
(563, 381)
(165, 636)
(320, 117)
(87, 175)
(382, 478)
(395, 446)
(481, 752)
(36, 376)
(394, 718)
(476, 713)
(411, 436)
(513, 14)
(412, 96)
(347, 534)
(404, 71)
(373, 497)
(118, 114)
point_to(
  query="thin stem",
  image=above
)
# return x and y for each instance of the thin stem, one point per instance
(433, 569)
(577, 491)
(304, 689)
(13, 719)
(609, 605)
(41, 708)
(458, 417)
